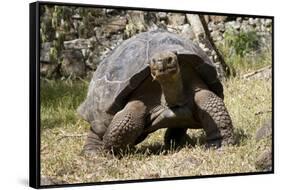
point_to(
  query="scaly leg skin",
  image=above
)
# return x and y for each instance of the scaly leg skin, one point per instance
(177, 137)
(126, 126)
(93, 145)
(214, 118)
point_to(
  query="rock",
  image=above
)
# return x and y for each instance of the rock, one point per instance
(150, 19)
(219, 69)
(239, 19)
(216, 35)
(136, 23)
(233, 25)
(188, 32)
(188, 163)
(47, 69)
(211, 26)
(246, 27)
(254, 21)
(257, 28)
(73, 64)
(268, 22)
(265, 131)
(264, 161)
(196, 25)
(216, 27)
(162, 16)
(217, 19)
(77, 44)
(93, 60)
(263, 28)
(76, 17)
(262, 20)
(251, 21)
(51, 181)
(258, 20)
(152, 175)
(115, 25)
(45, 52)
(193, 161)
(245, 22)
(113, 12)
(220, 27)
(176, 19)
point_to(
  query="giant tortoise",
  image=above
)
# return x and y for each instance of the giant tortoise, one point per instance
(154, 80)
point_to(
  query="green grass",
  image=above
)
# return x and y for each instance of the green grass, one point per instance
(63, 135)
(59, 99)
(244, 51)
(247, 63)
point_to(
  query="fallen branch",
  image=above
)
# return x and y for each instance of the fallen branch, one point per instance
(43, 148)
(174, 28)
(65, 135)
(248, 75)
(263, 112)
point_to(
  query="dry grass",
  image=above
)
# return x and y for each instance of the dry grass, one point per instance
(63, 134)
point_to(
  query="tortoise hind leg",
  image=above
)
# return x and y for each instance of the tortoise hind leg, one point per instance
(93, 144)
(177, 137)
(214, 118)
(126, 126)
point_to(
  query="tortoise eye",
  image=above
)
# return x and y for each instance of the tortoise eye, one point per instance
(170, 59)
(153, 61)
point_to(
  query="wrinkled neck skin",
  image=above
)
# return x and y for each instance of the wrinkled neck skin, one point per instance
(173, 91)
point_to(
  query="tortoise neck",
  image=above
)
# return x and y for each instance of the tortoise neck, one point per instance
(173, 91)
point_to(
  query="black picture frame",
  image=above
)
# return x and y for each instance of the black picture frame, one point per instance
(34, 98)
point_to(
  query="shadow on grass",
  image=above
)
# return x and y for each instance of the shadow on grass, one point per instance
(240, 136)
(151, 150)
(160, 149)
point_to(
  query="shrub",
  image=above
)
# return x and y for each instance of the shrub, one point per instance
(244, 51)
(242, 42)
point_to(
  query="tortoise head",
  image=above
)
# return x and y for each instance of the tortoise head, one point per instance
(164, 65)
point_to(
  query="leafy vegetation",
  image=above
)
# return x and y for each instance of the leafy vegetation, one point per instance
(244, 51)
(241, 42)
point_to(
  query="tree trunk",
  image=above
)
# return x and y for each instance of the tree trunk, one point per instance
(203, 37)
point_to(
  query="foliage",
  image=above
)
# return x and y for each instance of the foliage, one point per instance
(243, 52)
(242, 42)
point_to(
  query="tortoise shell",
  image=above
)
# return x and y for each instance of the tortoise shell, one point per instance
(127, 66)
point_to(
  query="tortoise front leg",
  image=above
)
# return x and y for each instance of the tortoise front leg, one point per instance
(126, 126)
(214, 118)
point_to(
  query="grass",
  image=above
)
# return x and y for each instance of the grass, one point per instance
(244, 51)
(249, 62)
(63, 134)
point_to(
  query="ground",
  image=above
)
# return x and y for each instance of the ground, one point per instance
(63, 134)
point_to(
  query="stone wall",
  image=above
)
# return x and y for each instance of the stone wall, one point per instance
(81, 54)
